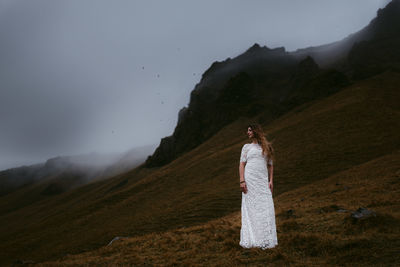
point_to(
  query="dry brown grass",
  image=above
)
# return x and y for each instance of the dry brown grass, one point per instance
(314, 235)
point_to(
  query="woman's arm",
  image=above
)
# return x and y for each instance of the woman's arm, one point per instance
(271, 176)
(241, 171)
(271, 173)
(241, 175)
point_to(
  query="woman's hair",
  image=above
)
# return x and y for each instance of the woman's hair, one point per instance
(262, 140)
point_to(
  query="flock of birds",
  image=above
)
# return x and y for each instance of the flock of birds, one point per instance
(158, 93)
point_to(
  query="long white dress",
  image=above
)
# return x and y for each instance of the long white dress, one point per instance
(258, 212)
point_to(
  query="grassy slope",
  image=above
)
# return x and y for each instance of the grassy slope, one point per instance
(316, 234)
(312, 142)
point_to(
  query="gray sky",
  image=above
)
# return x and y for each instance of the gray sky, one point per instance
(80, 76)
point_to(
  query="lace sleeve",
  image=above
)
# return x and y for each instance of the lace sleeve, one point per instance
(269, 162)
(243, 154)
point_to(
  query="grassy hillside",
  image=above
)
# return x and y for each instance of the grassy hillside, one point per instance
(313, 234)
(317, 140)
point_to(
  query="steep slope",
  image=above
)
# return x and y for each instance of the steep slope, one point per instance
(314, 141)
(313, 221)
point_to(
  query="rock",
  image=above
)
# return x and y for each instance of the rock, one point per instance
(290, 213)
(362, 213)
(117, 238)
(341, 210)
(287, 214)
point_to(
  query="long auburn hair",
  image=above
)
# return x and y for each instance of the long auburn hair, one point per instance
(258, 133)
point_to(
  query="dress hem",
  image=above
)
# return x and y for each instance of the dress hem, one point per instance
(259, 246)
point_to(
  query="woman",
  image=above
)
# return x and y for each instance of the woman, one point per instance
(256, 181)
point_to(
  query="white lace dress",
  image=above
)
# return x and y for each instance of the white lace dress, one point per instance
(258, 212)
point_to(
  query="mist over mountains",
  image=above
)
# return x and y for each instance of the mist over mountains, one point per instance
(64, 173)
(272, 81)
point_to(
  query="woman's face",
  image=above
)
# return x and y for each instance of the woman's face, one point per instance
(250, 133)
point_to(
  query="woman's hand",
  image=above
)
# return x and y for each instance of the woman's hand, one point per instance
(243, 187)
(271, 186)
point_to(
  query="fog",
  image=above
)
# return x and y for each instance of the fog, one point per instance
(107, 76)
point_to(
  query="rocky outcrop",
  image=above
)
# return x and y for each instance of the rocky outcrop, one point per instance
(261, 80)
(310, 82)
(228, 89)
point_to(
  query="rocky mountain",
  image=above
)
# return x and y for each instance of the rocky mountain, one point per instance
(235, 87)
(260, 80)
(273, 81)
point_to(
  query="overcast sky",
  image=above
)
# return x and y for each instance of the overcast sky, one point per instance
(80, 76)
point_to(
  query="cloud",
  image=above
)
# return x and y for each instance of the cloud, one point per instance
(82, 76)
